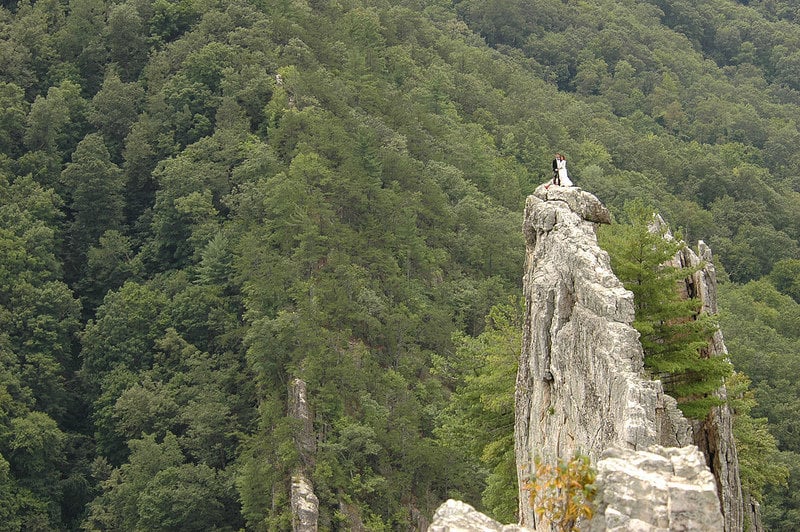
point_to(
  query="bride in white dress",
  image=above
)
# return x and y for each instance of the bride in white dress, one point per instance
(561, 164)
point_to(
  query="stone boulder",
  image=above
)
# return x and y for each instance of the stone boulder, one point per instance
(457, 516)
(584, 204)
(657, 490)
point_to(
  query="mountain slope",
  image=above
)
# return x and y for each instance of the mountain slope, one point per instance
(223, 196)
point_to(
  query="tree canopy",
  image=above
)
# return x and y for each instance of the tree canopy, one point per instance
(201, 200)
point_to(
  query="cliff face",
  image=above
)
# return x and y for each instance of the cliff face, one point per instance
(581, 385)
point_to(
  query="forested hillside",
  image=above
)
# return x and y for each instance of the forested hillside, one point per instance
(202, 199)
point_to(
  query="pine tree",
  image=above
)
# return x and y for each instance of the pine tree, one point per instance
(479, 420)
(674, 333)
(96, 202)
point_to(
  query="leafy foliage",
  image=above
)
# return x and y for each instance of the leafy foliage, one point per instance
(562, 493)
(761, 332)
(479, 419)
(202, 200)
(759, 462)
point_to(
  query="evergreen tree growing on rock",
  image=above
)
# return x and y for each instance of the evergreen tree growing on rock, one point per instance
(674, 333)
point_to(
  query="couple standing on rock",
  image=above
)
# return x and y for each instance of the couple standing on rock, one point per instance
(560, 176)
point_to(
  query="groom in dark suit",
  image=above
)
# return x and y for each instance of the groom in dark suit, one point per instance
(556, 179)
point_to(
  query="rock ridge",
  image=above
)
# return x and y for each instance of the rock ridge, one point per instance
(581, 385)
(714, 435)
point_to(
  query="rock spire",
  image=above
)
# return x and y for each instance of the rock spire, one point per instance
(581, 385)
(305, 504)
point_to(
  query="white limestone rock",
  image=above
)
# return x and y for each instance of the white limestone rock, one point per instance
(580, 385)
(657, 490)
(305, 505)
(586, 205)
(581, 388)
(299, 409)
(457, 516)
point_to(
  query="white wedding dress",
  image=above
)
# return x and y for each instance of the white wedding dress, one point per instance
(562, 173)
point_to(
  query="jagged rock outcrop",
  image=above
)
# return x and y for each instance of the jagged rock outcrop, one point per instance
(298, 409)
(457, 516)
(581, 385)
(305, 504)
(714, 435)
(655, 490)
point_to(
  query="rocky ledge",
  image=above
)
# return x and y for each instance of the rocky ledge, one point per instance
(656, 490)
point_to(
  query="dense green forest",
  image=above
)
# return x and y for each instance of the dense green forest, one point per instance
(202, 199)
